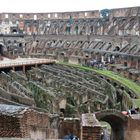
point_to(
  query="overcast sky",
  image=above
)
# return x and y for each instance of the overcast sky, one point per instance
(63, 5)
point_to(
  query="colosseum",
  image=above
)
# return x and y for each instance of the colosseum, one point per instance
(64, 73)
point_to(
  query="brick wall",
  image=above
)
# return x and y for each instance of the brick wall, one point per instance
(34, 125)
(91, 133)
(69, 127)
(29, 124)
(9, 126)
(133, 129)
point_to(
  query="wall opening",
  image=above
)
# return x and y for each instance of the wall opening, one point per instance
(35, 17)
(55, 15)
(1, 50)
(117, 124)
(117, 48)
(21, 16)
(14, 31)
(6, 16)
(20, 45)
(49, 15)
(105, 130)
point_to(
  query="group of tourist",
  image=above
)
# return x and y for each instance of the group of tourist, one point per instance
(99, 64)
(96, 64)
(131, 111)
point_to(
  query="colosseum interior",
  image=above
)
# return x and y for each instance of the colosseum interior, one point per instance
(82, 68)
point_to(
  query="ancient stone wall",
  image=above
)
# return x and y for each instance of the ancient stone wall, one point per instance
(124, 21)
(69, 126)
(133, 128)
(34, 125)
(125, 12)
(9, 126)
(49, 16)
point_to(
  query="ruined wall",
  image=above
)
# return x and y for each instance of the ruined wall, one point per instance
(34, 125)
(38, 125)
(119, 12)
(9, 126)
(124, 21)
(125, 12)
(55, 15)
(69, 126)
(133, 128)
(91, 133)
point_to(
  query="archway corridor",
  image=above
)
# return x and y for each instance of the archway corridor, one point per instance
(117, 121)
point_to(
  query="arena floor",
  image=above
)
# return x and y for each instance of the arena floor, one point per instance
(23, 61)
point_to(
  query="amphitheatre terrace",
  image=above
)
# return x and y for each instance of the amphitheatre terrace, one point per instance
(63, 73)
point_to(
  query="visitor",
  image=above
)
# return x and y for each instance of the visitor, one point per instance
(134, 110)
(71, 137)
(105, 135)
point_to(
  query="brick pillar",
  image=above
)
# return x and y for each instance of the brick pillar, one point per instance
(91, 133)
(90, 129)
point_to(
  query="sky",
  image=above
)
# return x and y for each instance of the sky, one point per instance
(38, 6)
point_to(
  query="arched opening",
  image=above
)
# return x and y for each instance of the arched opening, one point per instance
(91, 29)
(35, 17)
(117, 123)
(105, 130)
(9, 41)
(115, 84)
(130, 94)
(62, 53)
(108, 80)
(125, 64)
(20, 45)
(14, 31)
(117, 48)
(1, 50)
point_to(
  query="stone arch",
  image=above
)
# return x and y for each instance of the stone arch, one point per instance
(14, 31)
(117, 48)
(1, 48)
(20, 45)
(91, 29)
(108, 80)
(117, 121)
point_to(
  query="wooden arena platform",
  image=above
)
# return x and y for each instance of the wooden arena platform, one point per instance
(23, 62)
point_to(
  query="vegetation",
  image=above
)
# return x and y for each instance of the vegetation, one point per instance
(122, 80)
(136, 102)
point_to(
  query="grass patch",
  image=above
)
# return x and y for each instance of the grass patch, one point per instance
(122, 80)
(136, 102)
